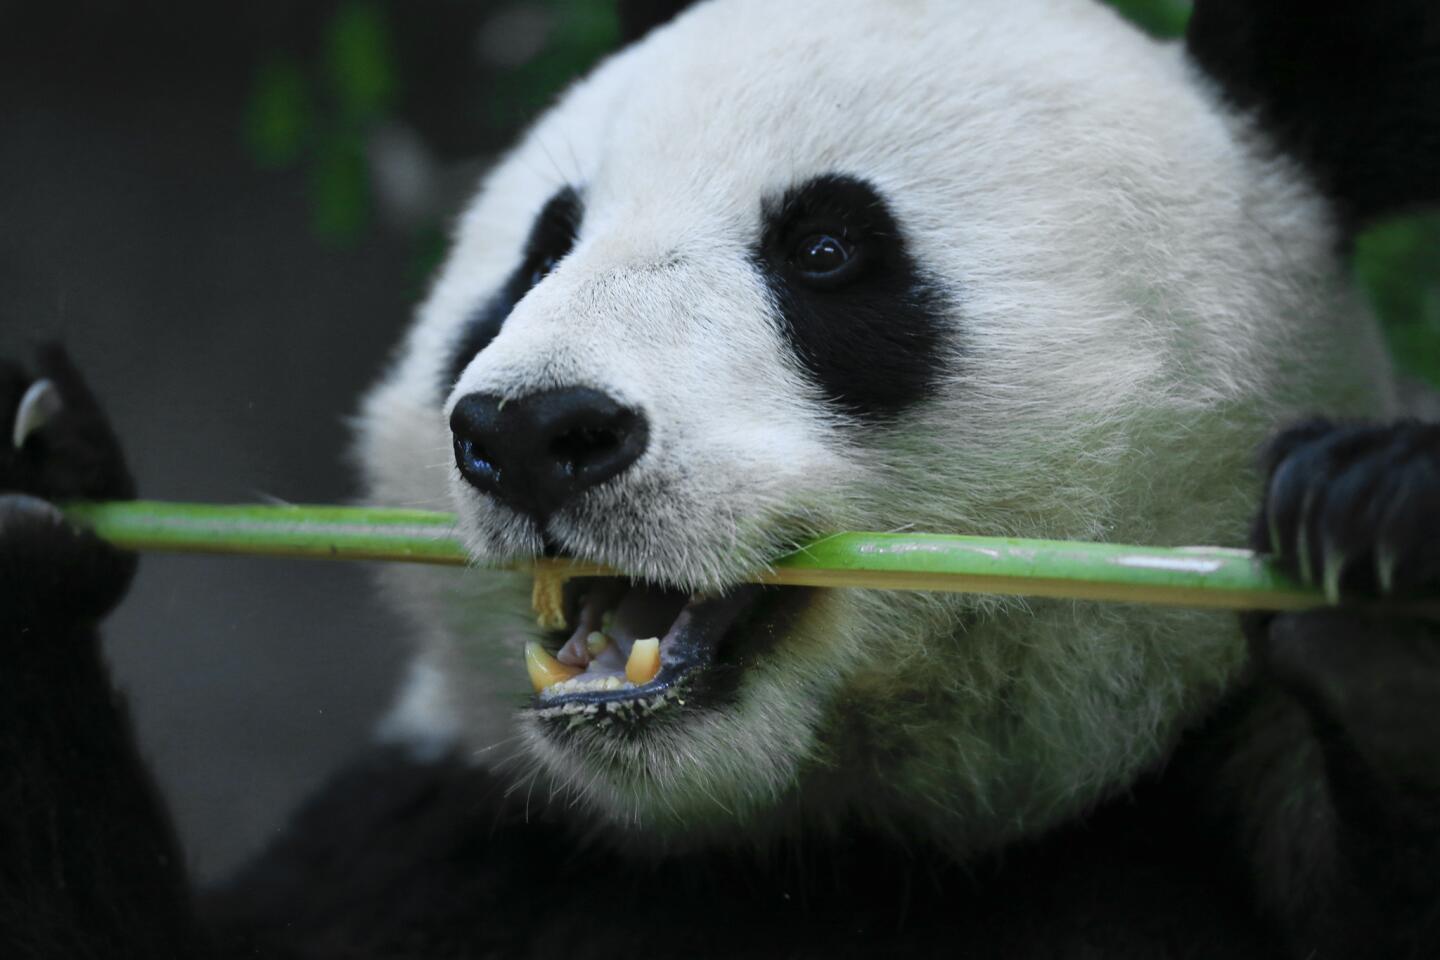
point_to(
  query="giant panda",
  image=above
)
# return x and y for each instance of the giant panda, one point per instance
(1004, 267)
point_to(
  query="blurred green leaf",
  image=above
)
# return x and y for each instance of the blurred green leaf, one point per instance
(358, 66)
(585, 31)
(277, 115)
(339, 188)
(1398, 266)
(1161, 18)
(1417, 350)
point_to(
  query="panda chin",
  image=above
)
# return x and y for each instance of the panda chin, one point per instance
(699, 646)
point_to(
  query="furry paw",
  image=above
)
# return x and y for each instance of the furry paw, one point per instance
(1354, 509)
(55, 445)
(55, 442)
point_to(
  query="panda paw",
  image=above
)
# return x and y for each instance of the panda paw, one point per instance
(1354, 509)
(55, 445)
(56, 442)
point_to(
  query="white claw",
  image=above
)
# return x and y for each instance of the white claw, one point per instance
(1385, 570)
(38, 406)
(1334, 567)
(1302, 547)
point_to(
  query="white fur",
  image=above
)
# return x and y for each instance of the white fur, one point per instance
(1141, 289)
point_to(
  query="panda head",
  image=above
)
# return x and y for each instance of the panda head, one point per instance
(776, 270)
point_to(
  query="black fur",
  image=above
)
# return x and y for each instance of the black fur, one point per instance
(1355, 498)
(639, 17)
(89, 864)
(402, 859)
(1350, 89)
(872, 342)
(550, 240)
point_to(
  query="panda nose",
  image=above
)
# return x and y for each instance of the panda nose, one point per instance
(538, 453)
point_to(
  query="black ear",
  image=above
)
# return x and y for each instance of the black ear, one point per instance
(1350, 89)
(639, 17)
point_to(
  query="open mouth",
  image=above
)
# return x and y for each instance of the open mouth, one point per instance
(633, 647)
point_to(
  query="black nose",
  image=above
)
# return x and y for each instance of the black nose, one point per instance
(538, 453)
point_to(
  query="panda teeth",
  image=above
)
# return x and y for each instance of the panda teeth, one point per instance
(644, 661)
(545, 671)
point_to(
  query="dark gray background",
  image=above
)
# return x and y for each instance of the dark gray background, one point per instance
(229, 343)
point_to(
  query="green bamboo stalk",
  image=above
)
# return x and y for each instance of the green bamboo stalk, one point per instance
(324, 532)
(1212, 577)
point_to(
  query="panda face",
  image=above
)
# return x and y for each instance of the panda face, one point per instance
(1007, 269)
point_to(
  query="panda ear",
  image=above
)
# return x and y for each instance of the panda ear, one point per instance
(639, 17)
(1352, 90)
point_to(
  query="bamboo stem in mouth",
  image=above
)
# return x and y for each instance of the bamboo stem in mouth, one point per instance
(1202, 577)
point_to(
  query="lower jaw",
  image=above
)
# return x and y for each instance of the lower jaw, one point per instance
(684, 777)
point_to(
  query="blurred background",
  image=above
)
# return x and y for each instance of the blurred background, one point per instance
(228, 212)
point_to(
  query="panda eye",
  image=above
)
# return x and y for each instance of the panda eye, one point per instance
(824, 257)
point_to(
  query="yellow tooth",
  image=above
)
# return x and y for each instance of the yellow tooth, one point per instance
(596, 643)
(644, 661)
(547, 597)
(545, 670)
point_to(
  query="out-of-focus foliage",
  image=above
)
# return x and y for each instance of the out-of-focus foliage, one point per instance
(357, 67)
(278, 118)
(582, 31)
(320, 111)
(320, 116)
(1163, 18)
(1398, 264)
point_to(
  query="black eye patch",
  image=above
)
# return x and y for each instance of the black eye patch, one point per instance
(551, 238)
(861, 317)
